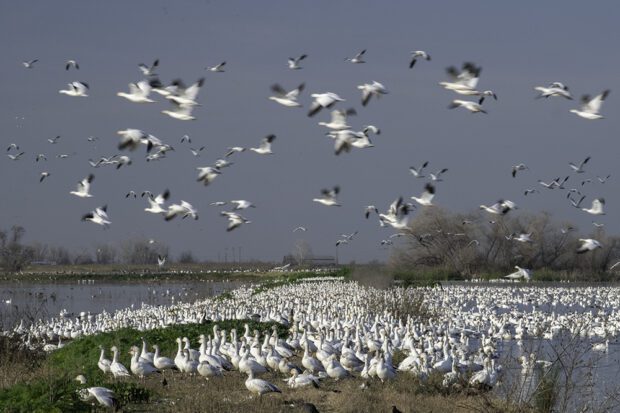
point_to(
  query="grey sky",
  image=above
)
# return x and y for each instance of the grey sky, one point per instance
(518, 44)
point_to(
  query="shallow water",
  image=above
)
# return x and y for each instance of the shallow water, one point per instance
(44, 300)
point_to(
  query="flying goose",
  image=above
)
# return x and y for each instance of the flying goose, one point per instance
(329, 197)
(72, 63)
(530, 191)
(12, 146)
(523, 237)
(132, 138)
(16, 156)
(370, 209)
(358, 58)
(40, 156)
(344, 140)
(234, 149)
(397, 215)
(591, 106)
(501, 207)
(372, 89)
(207, 174)
(285, 98)
(53, 140)
(603, 180)
(427, 196)
(184, 209)
(465, 80)
(554, 89)
(417, 172)
(265, 146)
(180, 111)
(517, 168)
(339, 119)
(149, 70)
(242, 204)
(156, 203)
(323, 100)
(186, 138)
(196, 152)
(436, 177)
(234, 220)
(342, 241)
(83, 187)
(293, 62)
(217, 68)
(43, 176)
(138, 92)
(588, 244)
(520, 273)
(302, 229)
(218, 203)
(77, 89)
(29, 64)
(473, 107)
(579, 168)
(222, 163)
(186, 96)
(161, 261)
(99, 216)
(418, 54)
(597, 207)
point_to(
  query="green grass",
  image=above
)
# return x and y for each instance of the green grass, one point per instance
(53, 389)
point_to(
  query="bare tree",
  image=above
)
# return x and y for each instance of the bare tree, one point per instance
(142, 252)
(301, 251)
(105, 254)
(13, 255)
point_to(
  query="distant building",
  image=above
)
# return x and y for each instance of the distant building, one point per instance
(312, 261)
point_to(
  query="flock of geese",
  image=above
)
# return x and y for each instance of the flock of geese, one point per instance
(183, 101)
(336, 334)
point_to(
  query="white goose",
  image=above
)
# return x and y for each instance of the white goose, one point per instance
(358, 58)
(103, 395)
(372, 89)
(323, 100)
(473, 107)
(588, 244)
(265, 145)
(260, 386)
(138, 92)
(329, 197)
(418, 54)
(156, 203)
(217, 68)
(293, 62)
(591, 106)
(207, 174)
(76, 89)
(579, 168)
(426, 199)
(234, 220)
(554, 89)
(83, 187)
(99, 216)
(148, 70)
(501, 207)
(161, 362)
(339, 119)
(285, 98)
(116, 368)
(597, 207)
(103, 363)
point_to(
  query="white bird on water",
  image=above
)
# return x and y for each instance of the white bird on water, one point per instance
(329, 197)
(77, 89)
(83, 187)
(591, 106)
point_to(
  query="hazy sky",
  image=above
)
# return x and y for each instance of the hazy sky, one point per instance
(518, 44)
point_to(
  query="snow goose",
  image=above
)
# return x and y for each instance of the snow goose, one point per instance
(217, 68)
(397, 215)
(43, 176)
(99, 216)
(180, 111)
(161, 362)
(588, 244)
(161, 261)
(207, 370)
(523, 237)
(72, 64)
(132, 138)
(358, 58)
(83, 187)
(233, 150)
(149, 70)
(334, 369)
(370, 209)
(591, 106)
(156, 203)
(372, 89)
(417, 172)
(473, 107)
(603, 180)
(207, 174)
(138, 92)
(329, 197)
(323, 100)
(339, 119)
(426, 199)
(53, 140)
(196, 152)
(76, 89)
(40, 156)
(597, 207)
(579, 168)
(12, 146)
(186, 96)
(139, 366)
(222, 163)
(234, 220)
(242, 204)
(554, 89)
(16, 156)
(517, 168)
(285, 98)
(29, 64)
(259, 386)
(103, 363)
(184, 209)
(265, 146)
(302, 229)
(501, 207)
(116, 368)
(436, 177)
(418, 54)
(520, 273)
(102, 395)
(293, 62)
(298, 380)
(465, 80)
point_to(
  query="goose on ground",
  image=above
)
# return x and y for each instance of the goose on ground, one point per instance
(99, 216)
(77, 89)
(83, 187)
(554, 89)
(161, 362)
(293, 62)
(29, 64)
(103, 363)
(339, 119)
(323, 100)
(138, 92)
(588, 244)
(116, 368)
(372, 89)
(141, 367)
(329, 197)
(149, 70)
(418, 54)
(207, 174)
(259, 386)
(358, 58)
(590, 107)
(285, 98)
(234, 220)
(579, 168)
(102, 395)
(426, 199)
(217, 68)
